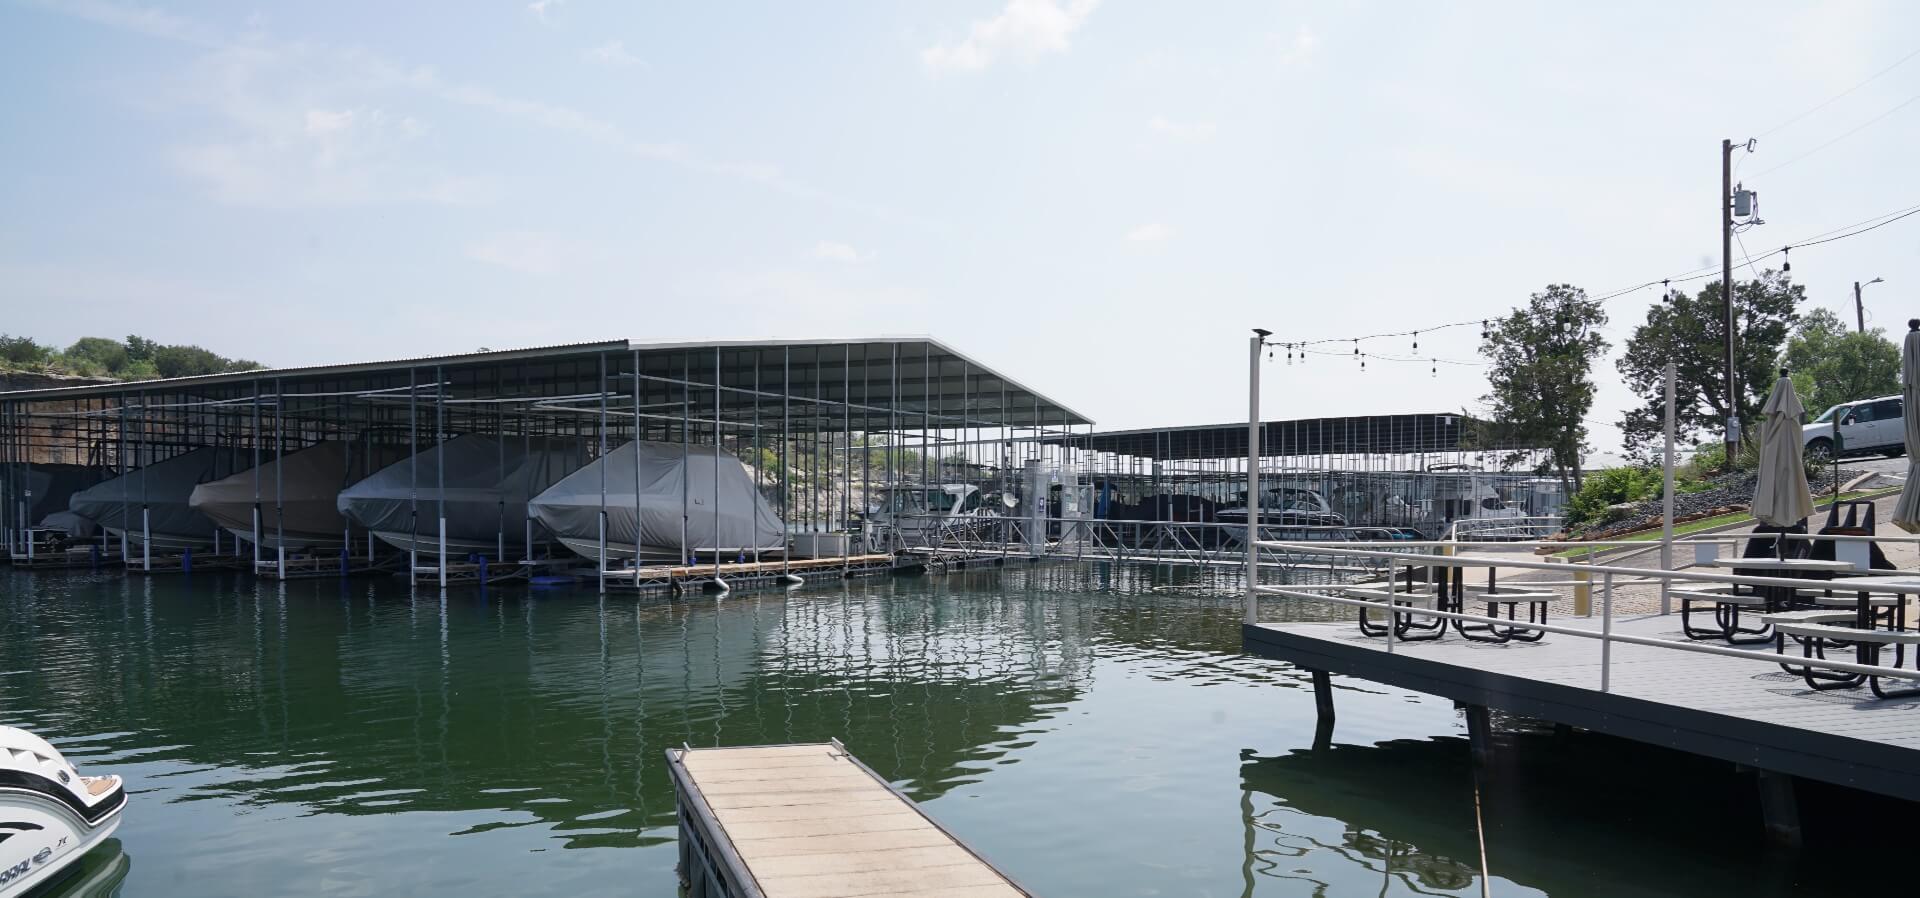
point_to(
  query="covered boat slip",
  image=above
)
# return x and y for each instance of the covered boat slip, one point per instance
(661, 501)
(302, 490)
(476, 486)
(1411, 473)
(811, 821)
(150, 506)
(802, 436)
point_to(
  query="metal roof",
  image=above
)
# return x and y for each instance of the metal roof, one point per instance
(1402, 434)
(917, 374)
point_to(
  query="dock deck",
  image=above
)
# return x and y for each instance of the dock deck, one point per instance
(811, 821)
(1738, 710)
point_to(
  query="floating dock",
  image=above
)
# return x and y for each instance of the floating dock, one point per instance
(685, 577)
(1738, 710)
(811, 821)
(185, 563)
(66, 559)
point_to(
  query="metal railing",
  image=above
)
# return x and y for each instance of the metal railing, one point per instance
(1327, 593)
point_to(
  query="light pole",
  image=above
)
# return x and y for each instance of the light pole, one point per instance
(1251, 613)
(1859, 309)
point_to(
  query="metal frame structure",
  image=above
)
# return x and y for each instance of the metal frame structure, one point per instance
(822, 424)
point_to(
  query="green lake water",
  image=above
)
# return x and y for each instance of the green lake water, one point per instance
(1093, 731)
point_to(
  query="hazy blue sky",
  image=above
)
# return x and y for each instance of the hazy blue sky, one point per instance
(1097, 197)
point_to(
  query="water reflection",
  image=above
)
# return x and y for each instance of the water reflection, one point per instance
(364, 700)
(98, 874)
(1095, 729)
(1560, 813)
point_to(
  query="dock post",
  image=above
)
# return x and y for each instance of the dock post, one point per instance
(1583, 588)
(1323, 711)
(1479, 733)
(1323, 696)
(1778, 809)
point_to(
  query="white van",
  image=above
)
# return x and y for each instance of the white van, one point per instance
(1868, 427)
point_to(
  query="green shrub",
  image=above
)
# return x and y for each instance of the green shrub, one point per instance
(1707, 461)
(1611, 487)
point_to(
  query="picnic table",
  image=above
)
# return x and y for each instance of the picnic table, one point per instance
(1451, 593)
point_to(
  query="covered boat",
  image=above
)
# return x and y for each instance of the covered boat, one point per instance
(45, 488)
(162, 489)
(711, 492)
(488, 482)
(299, 494)
(50, 815)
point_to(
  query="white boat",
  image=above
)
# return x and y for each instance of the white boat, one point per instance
(1286, 505)
(916, 514)
(50, 815)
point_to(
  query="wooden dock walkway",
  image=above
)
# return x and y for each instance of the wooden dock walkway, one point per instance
(1748, 712)
(811, 821)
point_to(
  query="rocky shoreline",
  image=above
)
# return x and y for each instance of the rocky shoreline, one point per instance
(1725, 494)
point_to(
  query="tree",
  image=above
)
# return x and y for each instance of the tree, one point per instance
(187, 361)
(1540, 376)
(1690, 331)
(97, 355)
(1831, 364)
(23, 352)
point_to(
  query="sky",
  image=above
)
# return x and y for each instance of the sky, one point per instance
(1097, 197)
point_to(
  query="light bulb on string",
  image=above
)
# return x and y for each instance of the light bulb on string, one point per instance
(1356, 349)
(1416, 342)
(1484, 332)
(1666, 293)
(1788, 264)
(1436, 369)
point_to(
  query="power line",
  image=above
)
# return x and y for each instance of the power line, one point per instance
(1836, 97)
(1840, 233)
(1849, 133)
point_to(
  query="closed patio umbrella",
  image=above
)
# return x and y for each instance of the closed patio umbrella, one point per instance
(1906, 512)
(1781, 497)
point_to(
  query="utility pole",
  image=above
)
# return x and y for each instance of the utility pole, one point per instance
(1726, 289)
(1859, 310)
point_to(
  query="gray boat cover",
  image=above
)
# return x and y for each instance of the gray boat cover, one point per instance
(489, 480)
(49, 486)
(73, 525)
(742, 519)
(310, 481)
(163, 487)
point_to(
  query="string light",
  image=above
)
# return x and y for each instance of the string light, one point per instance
(1666, 284)
(1787, 264)
(1356, 349)
(1416, 342)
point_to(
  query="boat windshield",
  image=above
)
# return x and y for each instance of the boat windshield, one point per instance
(1300, 500)
(919, 501)
(1826, 415)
